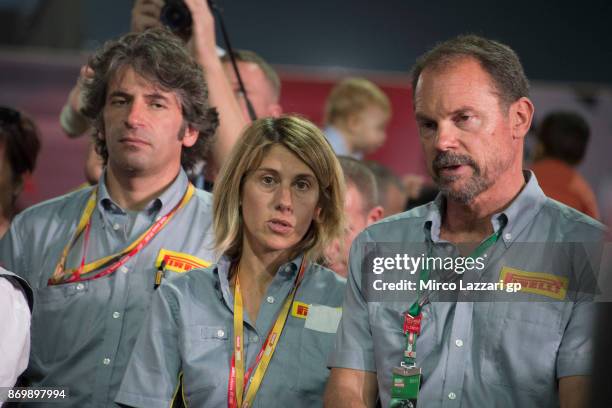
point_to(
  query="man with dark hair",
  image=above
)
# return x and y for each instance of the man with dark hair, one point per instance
(19, 147)
(95, 256)
(563, 138)
(361, 208)
(529, 348)
(261, 83)
(392, 194)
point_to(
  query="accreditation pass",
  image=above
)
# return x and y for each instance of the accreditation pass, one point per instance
(30, 394)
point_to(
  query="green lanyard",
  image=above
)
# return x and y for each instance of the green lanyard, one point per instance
(412, 319)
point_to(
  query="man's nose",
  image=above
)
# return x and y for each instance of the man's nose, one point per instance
(446, 137)
(135, 115)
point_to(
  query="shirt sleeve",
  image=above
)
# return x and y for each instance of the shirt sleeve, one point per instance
(15, 329)
(152, 374)
(576, 351)
(575, 356)
(354, 347)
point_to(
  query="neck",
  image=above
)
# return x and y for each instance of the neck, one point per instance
(134, 191)
(258, 269)
(474, 218)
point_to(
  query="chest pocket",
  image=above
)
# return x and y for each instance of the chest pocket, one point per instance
(522, 340)
(54, 333)
(317, 338)
(207, 351)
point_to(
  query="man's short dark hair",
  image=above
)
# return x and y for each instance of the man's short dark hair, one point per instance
(251, 56)
(160, 57)
(385, 178)
(20, 138)
(564, 136)
(358, 174)
(497, 59)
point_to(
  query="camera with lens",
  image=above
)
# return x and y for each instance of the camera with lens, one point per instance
(176, 16)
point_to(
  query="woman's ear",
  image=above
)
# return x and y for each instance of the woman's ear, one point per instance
(317, 214)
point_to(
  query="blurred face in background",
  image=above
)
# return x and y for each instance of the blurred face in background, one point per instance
(358, 217)
(6, 182)
(258, 88)
(369, 128)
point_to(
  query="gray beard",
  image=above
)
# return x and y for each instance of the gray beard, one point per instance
(472, 188)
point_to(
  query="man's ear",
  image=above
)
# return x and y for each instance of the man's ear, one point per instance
(190, 136)
(375, 214)
(521, 115)
(275, 110)
(18, 185)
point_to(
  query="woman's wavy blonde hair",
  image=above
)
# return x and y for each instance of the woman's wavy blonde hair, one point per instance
(307, 142)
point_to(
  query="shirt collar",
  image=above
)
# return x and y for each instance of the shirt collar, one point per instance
(513, 219)
(160, 205)
(222, 269)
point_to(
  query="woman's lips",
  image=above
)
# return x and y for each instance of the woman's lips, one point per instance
(280, 226)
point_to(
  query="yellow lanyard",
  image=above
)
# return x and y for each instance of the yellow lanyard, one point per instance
(238, 379)
(61, 275)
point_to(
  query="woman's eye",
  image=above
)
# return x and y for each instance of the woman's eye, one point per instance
(267, 180)
(302, 185)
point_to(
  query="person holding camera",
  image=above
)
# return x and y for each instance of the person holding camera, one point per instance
(193, 22)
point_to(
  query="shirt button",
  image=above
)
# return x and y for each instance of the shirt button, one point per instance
(507, 236)
(124, 269)
(270, 299)
(451, 395)
(459, 343)
(80, 286)
(116, 315)
(116, 226)
(254, 339)
(220, 334)
(106, 361)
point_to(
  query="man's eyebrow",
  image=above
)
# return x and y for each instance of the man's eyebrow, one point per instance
(157, 95)
(420, 117)
(462, 109)
(119, 94)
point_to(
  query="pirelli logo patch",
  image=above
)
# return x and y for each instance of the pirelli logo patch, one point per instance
(299, 309)
(539, 283)
(179, 262)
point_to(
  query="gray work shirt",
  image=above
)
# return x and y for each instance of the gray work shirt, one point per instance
(83, 332)
(190, 330)
(478, 354)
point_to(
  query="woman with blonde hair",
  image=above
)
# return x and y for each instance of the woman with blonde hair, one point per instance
(256, 328)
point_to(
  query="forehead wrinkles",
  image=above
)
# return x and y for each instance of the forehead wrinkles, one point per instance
(443, 89)
(141, 79)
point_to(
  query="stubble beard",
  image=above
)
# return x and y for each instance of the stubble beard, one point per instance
(471, 188)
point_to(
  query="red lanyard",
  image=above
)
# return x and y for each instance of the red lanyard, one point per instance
(61, 275)
(236, 388)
